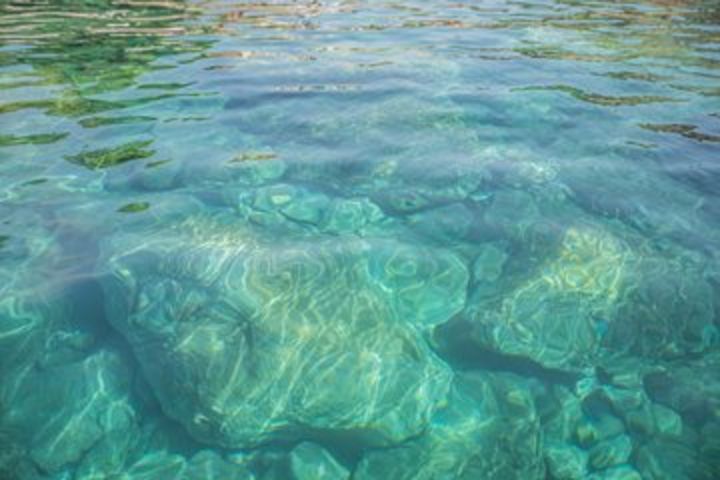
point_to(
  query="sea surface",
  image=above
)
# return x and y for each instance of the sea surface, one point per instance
(380, 239)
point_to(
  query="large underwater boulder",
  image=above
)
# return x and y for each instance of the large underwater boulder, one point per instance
(592, 297)
(557, 315)
(245, 340)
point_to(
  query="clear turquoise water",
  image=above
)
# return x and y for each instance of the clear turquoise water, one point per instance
(368, 240)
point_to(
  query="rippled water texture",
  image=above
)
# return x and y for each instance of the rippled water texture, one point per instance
(372, 239)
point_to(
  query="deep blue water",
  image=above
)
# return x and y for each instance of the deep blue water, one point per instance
(371, 240)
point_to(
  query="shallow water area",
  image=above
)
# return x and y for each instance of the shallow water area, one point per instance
(367, 240)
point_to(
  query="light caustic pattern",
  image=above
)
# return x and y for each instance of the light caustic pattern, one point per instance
(370, 240)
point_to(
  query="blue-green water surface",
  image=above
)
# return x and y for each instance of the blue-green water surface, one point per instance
(340, 239)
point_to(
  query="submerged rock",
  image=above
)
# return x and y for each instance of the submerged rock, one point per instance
(558, 317)
(566, 462)
(590, 431)
(309, 461)
(60, 393)
(667, 311)
(209, 465)
(109, 456)
(690, 389)
(667, 421)
(489, 430)
(15, 463)
(80, 404)
(290, 208)
(449, 223)
(665, 459)
(245, 341)
(352, 215)
(304, 461)
(562, 415)
(257, 169)
(157, 465)
(153, 176)
(426, 286)
(25, 325)
(302, 206)
(489, 263)
(512, 214)
(621, 472)
(403, 201)
(611, 452)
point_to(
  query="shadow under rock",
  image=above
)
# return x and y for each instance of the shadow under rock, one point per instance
(454, 345)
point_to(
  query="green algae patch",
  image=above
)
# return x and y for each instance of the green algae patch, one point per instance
(134, 207)
(76, 105)
(39, 139)
(555, 53)
(109, 157)
(687, 131)
(37, 181)
(164, 86)
(253, 156)
(598, 99)
(637, 76)
(22, 105)
(94, 122)
(157, 163)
